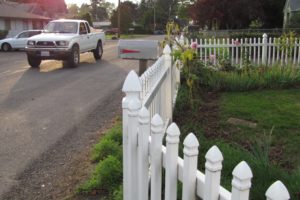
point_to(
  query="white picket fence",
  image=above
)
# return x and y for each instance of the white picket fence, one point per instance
(145, 156)
(260, 51)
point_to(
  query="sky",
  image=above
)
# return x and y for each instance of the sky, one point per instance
(79, 2)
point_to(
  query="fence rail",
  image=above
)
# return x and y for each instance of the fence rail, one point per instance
(145, 156)
(259, 51)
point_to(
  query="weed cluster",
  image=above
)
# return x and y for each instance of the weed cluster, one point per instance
(107, 176)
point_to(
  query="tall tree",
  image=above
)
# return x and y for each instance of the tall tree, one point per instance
(226, 13)
(273, 13)
(84, 8)
(128, 15)
(237, 13)
(73, 10)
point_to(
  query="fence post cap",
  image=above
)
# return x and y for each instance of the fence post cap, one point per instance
(144, 116)
(214, 159)
(157, 124)
(191, 141)
(277, 191)
(173, 133)
(214, 154)
(242, 171)
(173, 130)
(134, 105)
(167, 49)
(132, 83)
(265, 35)
(144, 112)
(191, 145)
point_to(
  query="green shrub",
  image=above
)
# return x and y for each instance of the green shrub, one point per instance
(115, 134)
(105, 148)
(118, 193)
(106, 177)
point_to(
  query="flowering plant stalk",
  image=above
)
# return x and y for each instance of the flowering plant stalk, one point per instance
(187, 55)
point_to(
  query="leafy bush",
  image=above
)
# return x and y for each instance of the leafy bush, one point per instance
(114, 134)
(105, 148)
(106, 177)
(118, 193)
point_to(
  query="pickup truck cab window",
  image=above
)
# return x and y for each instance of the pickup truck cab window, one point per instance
(61, 27)
(82, 29)
(24, 35)
(87, 27)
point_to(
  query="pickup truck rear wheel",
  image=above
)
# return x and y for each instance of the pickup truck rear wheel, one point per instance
(98, 51)
(74, 58)
(33, 62)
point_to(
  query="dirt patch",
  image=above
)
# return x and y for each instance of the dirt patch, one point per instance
(208, 118)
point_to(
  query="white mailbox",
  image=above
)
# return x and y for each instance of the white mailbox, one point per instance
(138, 49)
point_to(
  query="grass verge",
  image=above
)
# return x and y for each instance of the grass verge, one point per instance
(125, 36)
(106, 178)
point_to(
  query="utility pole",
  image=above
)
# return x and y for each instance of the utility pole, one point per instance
(119, 19)
(154, 17)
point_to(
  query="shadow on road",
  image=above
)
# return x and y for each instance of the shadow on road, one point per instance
(35, 83)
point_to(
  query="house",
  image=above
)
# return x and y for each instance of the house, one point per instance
(102, 25)
(15, 18)
(291, 14)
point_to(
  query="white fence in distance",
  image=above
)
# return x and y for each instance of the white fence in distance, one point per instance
(144, 153)
(260, 51)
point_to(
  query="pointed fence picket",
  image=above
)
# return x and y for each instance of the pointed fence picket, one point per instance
(145, 157)
(259, 51)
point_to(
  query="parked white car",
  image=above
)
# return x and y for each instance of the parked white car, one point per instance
(19, 41)
(65, 39)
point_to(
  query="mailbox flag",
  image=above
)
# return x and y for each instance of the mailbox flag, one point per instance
(123, 51)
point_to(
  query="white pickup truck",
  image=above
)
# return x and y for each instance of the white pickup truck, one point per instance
(65, 39)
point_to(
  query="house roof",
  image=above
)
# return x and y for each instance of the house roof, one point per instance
(292, 5)
(9, 11)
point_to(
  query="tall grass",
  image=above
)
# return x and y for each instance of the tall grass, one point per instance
(275, 77)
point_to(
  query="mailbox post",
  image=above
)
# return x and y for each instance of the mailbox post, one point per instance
(142, 50)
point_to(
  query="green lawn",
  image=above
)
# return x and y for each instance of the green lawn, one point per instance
(279, 109)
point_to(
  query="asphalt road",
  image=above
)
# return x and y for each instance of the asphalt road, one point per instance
(39, 107)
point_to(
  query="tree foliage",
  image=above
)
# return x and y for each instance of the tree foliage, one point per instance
(233, 14)
(128, 15)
